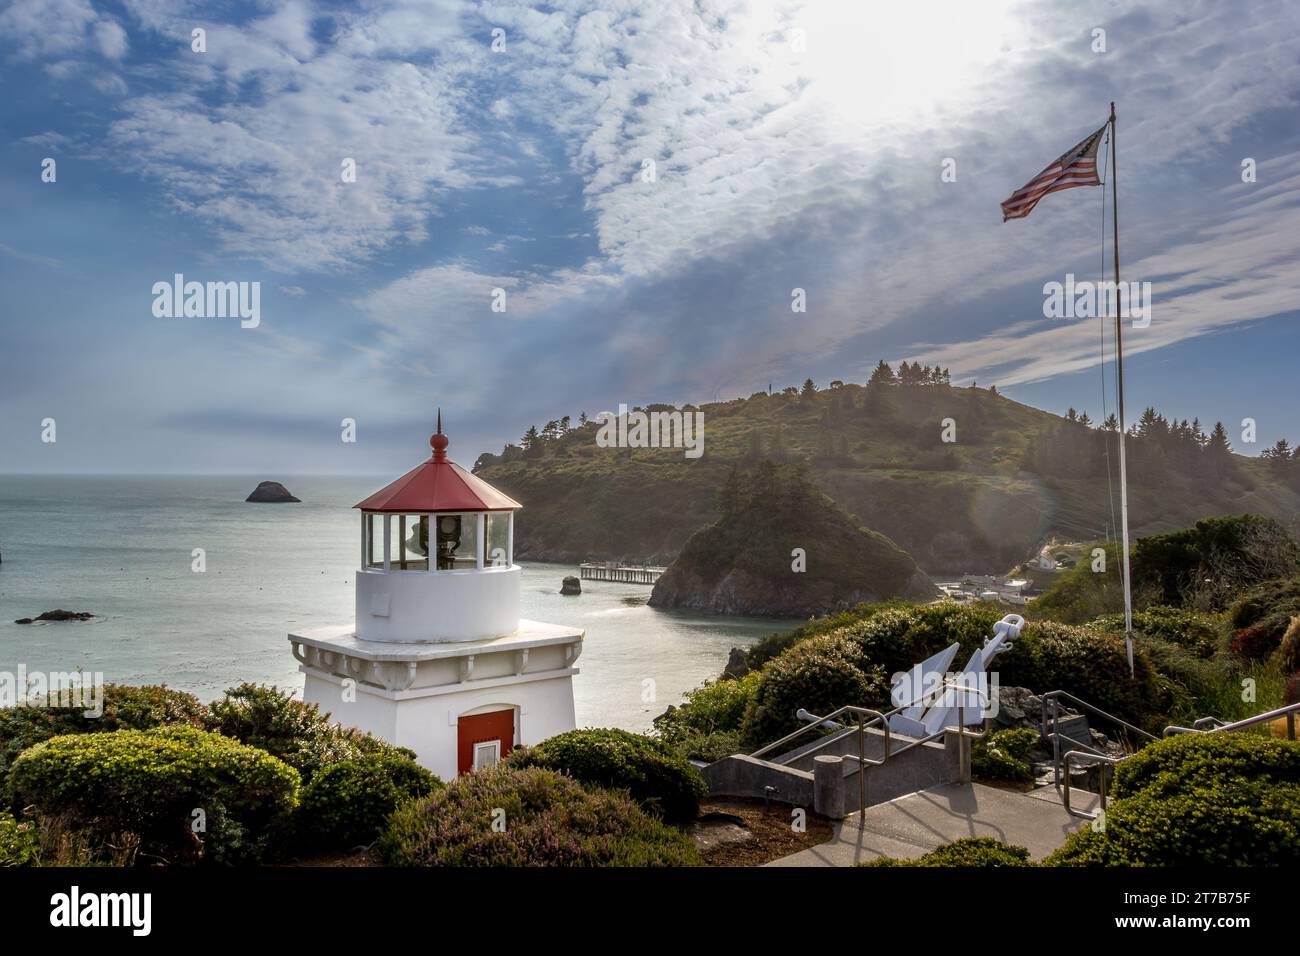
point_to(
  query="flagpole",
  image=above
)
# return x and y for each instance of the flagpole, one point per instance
(1119, 371)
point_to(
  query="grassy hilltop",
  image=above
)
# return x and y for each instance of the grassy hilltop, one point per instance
(1014, 476)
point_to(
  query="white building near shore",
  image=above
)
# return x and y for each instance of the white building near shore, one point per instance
(437, 658)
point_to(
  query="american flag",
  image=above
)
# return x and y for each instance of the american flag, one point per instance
(1078, 167)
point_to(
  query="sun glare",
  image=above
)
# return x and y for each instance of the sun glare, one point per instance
(873, 62)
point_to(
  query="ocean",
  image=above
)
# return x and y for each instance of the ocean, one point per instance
(122, 548)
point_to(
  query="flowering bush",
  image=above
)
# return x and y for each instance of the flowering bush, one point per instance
(502, 816)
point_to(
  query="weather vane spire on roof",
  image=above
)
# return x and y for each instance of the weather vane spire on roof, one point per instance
(439, 441)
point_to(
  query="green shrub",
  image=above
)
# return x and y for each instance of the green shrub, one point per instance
(1242, 823)
(820, 674)
(541, 818)
(1184, 760)
(1199, 799)
(1003, 755)
(124, 708)
(654, 774)
(1090, 664)
(19, 842)
(1198, 633)
(298, 733)
(774, 645)
(709, 719)
(933, 628)
(348, 802)
(970, 851)
(151, 782)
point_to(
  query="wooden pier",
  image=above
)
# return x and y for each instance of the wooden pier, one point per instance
(622, 573)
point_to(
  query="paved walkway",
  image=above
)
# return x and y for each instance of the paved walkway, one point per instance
(912, 825)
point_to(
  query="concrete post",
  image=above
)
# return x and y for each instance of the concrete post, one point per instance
(828, 786)
(957, 748)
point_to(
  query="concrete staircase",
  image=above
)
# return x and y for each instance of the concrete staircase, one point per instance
(912, 825)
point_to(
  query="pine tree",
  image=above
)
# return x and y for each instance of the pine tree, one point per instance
(883, 375)
(1218, 448)
(809, 388)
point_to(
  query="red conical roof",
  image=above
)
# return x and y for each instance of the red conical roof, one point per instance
(438, 485)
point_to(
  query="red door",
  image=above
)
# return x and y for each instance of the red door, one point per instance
(484, 729)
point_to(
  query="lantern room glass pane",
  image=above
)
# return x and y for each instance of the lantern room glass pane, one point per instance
(410, 543)
(375, 541)
(497, 537)
(457, 541)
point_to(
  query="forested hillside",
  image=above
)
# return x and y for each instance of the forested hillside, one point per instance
(1011, 477)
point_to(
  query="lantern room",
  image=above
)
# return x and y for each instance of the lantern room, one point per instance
(437, 548)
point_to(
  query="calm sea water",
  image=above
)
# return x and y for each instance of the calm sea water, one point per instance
(120, 547)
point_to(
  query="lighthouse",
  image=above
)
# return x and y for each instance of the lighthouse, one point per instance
(438, 658)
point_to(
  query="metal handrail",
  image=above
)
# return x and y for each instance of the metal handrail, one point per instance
(1289, 712)
(1054, 696)
(1101, 781)
(963, 735)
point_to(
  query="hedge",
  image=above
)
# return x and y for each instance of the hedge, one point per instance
(151, 782)
(502, 816)
(348, 802)
(655, 775)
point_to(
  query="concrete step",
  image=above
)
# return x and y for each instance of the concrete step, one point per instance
(910, 826)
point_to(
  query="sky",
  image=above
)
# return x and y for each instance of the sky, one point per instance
(642, 185)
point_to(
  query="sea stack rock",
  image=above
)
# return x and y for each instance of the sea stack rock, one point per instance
(271, 492)
(56, 616)
(784, 549)
(571, 585)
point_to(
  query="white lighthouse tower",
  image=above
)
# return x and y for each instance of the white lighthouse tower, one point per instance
(438, 659)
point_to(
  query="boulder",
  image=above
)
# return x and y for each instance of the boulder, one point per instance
(271, 492)
(57, 615)
(571, 585)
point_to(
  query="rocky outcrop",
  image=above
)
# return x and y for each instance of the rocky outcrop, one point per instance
(571, 585)
(271, 492)
(56, 616)
(784, 549)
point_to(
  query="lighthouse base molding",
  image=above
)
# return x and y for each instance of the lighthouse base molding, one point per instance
(457, 705)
